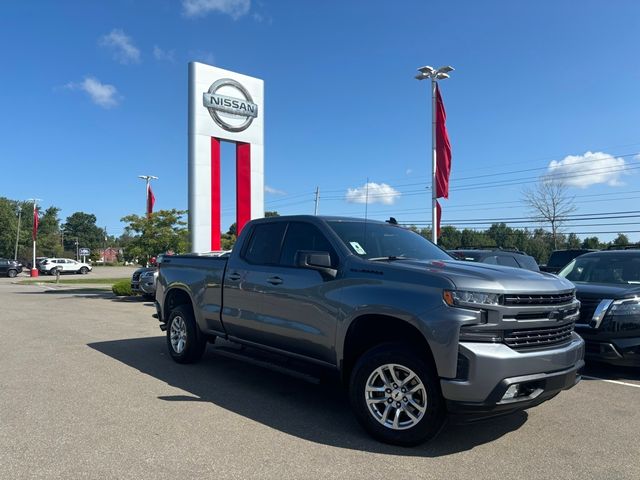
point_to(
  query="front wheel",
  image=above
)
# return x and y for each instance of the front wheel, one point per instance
(84, 270)
(12, 273)
(396, 395)
(186, 343)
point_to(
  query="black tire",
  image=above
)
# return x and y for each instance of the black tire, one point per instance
(403, 356)
(84, 270)
(195, 341)
(12, 273)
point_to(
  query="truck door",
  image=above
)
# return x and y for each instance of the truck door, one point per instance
(297, 306)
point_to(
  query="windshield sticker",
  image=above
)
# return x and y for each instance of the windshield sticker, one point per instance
(359, 250)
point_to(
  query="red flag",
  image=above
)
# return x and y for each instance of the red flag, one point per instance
(151, 200)
(35, 222)
(439, 215)
(443, 149)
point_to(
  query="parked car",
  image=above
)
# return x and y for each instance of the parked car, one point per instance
(63, 265)
(413, 333)
(608, 286)
(497, 256)
(10, 268)
(143, 282)
(560, 258)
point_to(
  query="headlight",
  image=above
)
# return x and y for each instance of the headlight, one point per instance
(622, 316)
(466, 298)
(625, 307)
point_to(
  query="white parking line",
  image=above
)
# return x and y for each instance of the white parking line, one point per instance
(612, 381)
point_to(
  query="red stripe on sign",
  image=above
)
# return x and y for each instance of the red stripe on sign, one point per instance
(215, 194)
(243, 184)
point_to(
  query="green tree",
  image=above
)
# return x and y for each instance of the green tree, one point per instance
(82, 226)
(573, 241)
(49, 235)
(591, 242)
(621, 240)
(150, 236)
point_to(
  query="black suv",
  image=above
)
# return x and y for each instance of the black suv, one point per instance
(560, 258)
(10, 268)
(506, 258)
(608, 286)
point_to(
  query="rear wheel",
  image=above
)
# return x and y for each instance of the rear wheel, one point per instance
(396, 395)
(185, 341)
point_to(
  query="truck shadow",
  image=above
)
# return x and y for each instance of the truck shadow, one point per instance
(318, 413)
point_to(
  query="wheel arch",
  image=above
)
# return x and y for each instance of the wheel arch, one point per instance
(369, 330)
(174, 297)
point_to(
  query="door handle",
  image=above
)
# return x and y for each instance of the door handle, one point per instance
(274, 280)
(234, 277)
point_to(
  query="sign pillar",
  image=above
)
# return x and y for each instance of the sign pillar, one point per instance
(223, 106)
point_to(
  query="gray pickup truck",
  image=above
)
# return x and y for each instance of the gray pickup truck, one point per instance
(414, 334)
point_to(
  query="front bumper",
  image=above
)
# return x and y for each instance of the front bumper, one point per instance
(613, 349)
(492, 368)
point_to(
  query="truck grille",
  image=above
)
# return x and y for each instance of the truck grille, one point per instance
(544, 299)
(538, 337)
(136, 277)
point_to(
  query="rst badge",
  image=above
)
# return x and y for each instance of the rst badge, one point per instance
(234, 111)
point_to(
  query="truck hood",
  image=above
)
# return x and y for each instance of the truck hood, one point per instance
(598, 291)
(490, 278)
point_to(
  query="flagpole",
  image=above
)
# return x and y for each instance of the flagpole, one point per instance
(148, 179)
(434, 75)
(434, 163)
(34, 233)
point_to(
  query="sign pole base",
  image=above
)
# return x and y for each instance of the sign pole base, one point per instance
(34, 272)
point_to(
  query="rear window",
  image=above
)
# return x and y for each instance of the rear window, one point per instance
(528, 262)
(265, 243)
(561, 258)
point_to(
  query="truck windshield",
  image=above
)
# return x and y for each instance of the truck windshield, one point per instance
(385, 241)
(603, 269)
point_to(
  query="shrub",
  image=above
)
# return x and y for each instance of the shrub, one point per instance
(122, 288)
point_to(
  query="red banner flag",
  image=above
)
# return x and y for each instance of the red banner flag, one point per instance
(35, 222)
(443, 149)
(439, 214)
(151, 200)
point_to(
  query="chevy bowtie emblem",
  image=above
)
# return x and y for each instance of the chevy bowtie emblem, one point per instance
(224, 109)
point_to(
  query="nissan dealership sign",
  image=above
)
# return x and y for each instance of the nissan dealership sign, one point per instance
(223, 106)
(233, 113)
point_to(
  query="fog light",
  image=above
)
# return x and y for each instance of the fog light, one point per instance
(511, 392)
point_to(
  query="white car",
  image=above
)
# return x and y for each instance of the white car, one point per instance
(64, 265)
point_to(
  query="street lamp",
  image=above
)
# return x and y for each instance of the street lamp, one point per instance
(428, 72)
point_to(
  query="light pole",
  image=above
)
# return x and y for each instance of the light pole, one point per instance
(34, 268)
(148, 179)
(15, 254)
(434, 75)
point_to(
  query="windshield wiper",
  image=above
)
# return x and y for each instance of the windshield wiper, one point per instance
(389, 258)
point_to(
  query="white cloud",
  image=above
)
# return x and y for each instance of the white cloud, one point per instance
(100, 93)
(373, 193)
(589, 169)
(409, 171)
(123, 48)
(274, 191)
(233, 8)
(164, 55)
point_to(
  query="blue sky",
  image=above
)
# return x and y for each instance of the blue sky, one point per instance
(95, 93)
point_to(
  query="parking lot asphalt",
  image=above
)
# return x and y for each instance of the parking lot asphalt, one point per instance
(88, 391)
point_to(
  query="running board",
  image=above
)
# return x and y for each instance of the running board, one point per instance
(253, 357)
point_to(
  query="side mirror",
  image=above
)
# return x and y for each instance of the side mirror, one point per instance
(320, 261)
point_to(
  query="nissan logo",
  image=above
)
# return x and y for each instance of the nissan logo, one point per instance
(235, 111)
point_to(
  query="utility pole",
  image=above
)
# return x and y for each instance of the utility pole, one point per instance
(15, 254)
(315, 210)
(434, 75)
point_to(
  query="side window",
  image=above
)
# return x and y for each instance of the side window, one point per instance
(493, 260)
(264, 244)
(4, 263)
(304, 236)
(507, 261)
